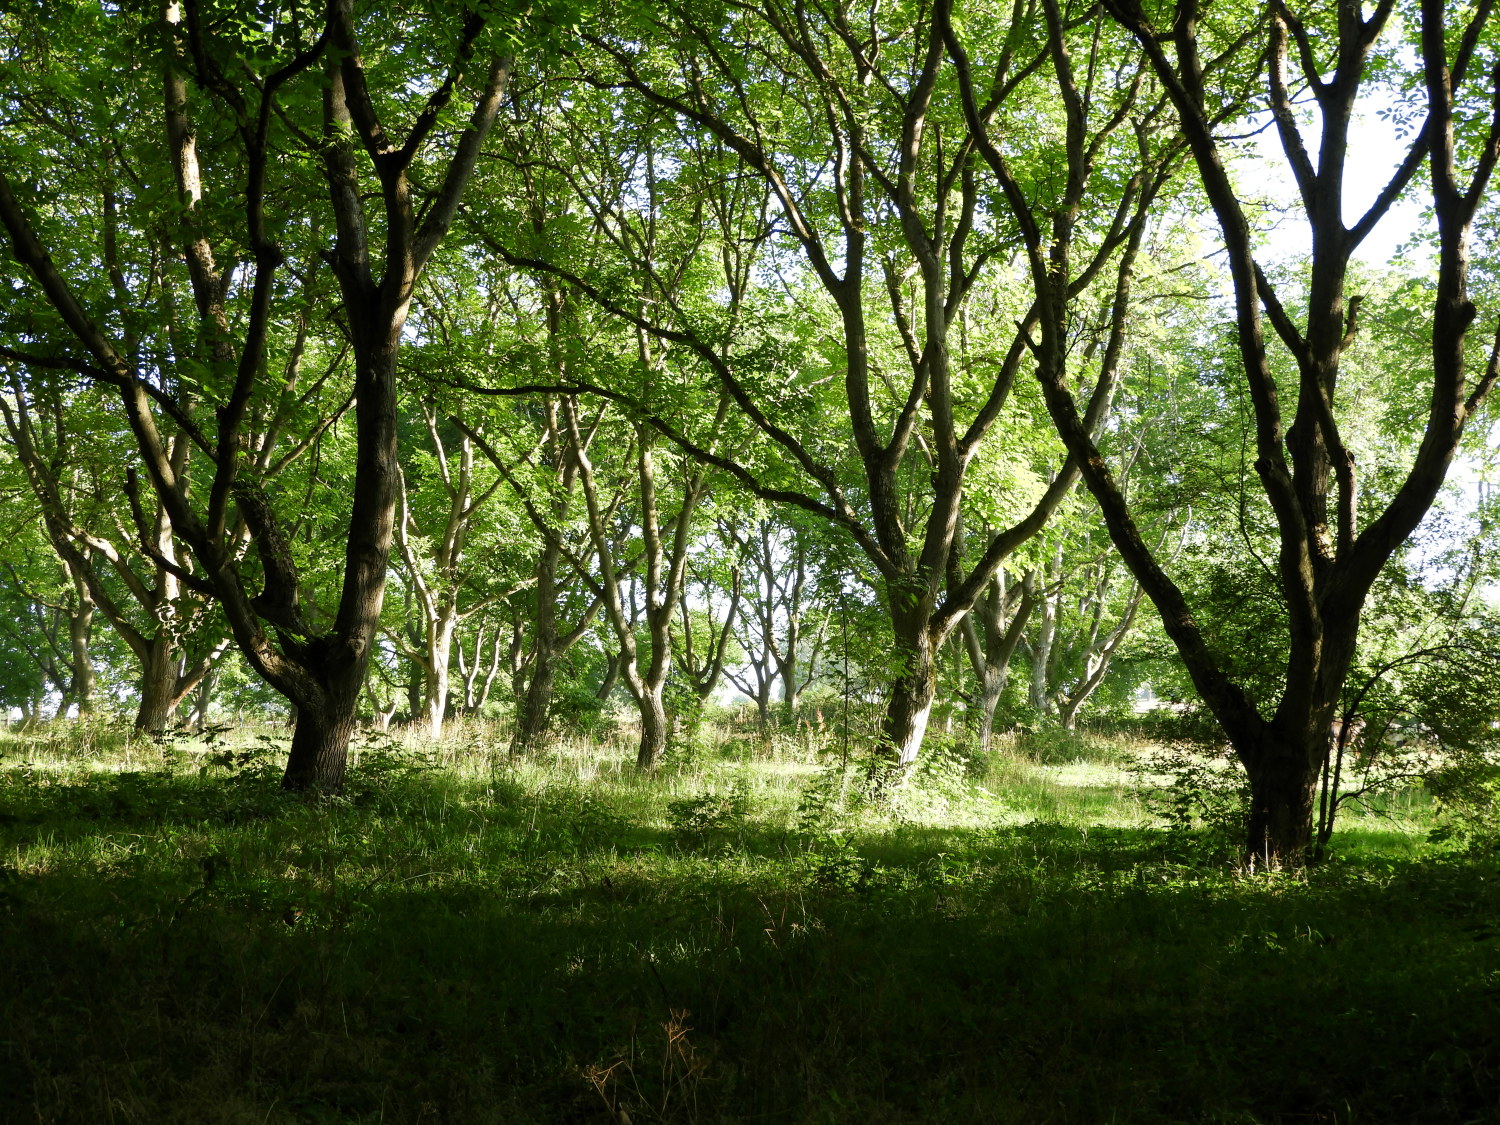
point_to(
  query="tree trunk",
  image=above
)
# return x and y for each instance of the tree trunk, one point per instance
(320, 743)
(80, 625)
(911, 695)
(1046, 636)
(654, 728)
(763, 710)
(435, 672)
(532, 723)
(158, 686)
(791, 688)
(415, 677)
(991, 688)
(203, 697)
(1282, 789)
(906, 715)
(611, 677)
(1067, 712)
(517, 659)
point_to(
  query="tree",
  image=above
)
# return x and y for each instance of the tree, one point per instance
(251, 84)
(867, 170)
(1329, 547)
(165, 626)
(778, 607)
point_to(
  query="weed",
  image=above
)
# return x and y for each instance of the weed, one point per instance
(1206, 804)
(471, 938)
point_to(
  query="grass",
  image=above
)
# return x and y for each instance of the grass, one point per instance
(467, 939)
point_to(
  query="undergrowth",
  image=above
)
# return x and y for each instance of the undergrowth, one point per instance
(770, 937)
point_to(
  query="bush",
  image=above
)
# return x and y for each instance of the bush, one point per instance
(1049, 744)
(1206, 807)
(1467, 792)
(577, 710)
(709, 817)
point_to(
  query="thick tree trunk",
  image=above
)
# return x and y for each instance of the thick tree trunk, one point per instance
(320, 744)
(1282, 789)
(534, 722)
(536, 710)
(654, 728)
(1067, 712)
(911, 696)
(158, 686)
(991, 688)
(906, 715)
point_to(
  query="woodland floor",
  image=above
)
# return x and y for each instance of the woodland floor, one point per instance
(467, 939)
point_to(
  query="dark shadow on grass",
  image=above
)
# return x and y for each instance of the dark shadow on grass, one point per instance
(479, 953)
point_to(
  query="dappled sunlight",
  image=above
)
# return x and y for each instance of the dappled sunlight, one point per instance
(529, 932)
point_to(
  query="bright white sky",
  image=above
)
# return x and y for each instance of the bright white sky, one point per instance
(1374, 152)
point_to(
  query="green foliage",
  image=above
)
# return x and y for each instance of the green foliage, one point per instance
(578, 710)
(1205, 803)
(708, 818)
(1467, 792)
(383, 768)
(1049, 743)
(257, 764)
(761, 938)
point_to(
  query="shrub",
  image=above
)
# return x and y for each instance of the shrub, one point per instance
(1206, 806)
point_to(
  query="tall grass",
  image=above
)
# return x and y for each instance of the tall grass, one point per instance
(746, 937)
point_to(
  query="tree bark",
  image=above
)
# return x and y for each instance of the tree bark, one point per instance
(912, 689)
(80, 628)
(655, 729)
(158, 685)
(1283, 786)
(435, 674)
(320, 740)
(1326, 562)
(991, 641)
(533, 723)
